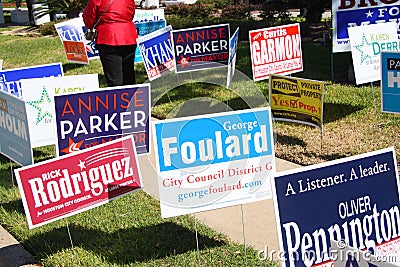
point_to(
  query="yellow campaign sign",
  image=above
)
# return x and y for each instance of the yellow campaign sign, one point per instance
(297, 100)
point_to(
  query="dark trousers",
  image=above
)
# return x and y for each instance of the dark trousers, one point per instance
(29, 5)
(118, 64)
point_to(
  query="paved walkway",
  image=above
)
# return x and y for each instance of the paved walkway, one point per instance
(13, 254)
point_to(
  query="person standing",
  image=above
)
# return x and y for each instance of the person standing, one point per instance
(29, 5)
(116, 38)
(17, 4)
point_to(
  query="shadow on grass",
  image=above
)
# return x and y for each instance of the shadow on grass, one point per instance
(183, 92)
(124, 246)
(43, 153)
(13, 206)
(289, 140)
(336, 111)
(72, 66)
(202, 106)
(4, 159)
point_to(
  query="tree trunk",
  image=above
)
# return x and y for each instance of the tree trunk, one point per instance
(73, 13)
(315, 11)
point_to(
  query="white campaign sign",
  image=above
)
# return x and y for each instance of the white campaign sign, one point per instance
(39, 100)
(148, 15)
(367, 43)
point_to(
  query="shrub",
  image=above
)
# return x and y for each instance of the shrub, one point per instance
(186, 22)
(48, 29)
(219, 3)
(195, 11)
(275, 11)
(244, 25)
(239, 11)
(70, 7)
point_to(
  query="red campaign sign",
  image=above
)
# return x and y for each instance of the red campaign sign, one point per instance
(275, 50)
(64, 186)
(76, 52)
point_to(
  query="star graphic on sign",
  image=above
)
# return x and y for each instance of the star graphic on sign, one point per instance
(81, 165)
(184, 61)
(362, 49)
(43, 105)
(369, 14)
(72, 146)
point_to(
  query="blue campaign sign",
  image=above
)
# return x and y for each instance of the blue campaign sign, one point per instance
(15, 141)
(390, 84)
(358, 17)
(91, 118)
(144, 28)
(90, 46)
(74, 30)
(232, 57)
(354, 199)
(233, 45)
(224, 138)
(214, 161)
(70, 30)
(349, 14)
(201, 48)
(157, 52)
(10, 78)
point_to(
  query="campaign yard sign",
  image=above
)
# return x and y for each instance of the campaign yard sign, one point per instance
(275, 50)
(15, 142)
(296, 100)
(70, 30)
(367, 43)
(351, 13)
(67, 185)
(10, 79)
(90, 118)
(200, 48)
(143, 29)
(148, 15)
(74, 41)
(232, 56)
(214, 161)
(390, 83)
(146, 21)
(76, 52)
(354, 199)
(38, 97)
(157, 52)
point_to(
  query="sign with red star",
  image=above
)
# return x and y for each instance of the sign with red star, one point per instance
(201, 48)
(61, 187)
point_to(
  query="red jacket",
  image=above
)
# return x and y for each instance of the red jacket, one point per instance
(116, 25)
